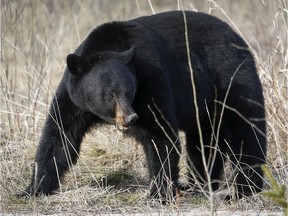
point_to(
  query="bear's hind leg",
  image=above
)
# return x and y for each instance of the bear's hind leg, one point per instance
(213, 158)
(247, 150)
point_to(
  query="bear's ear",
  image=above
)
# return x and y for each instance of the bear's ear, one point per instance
(127, 56)
(76, 64)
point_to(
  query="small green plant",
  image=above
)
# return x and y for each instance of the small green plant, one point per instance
(278, 192)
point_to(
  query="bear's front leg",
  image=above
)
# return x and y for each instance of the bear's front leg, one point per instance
(163, 156)
(59, 144)
(163, 159)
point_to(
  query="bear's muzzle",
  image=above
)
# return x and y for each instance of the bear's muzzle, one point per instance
(125, 116)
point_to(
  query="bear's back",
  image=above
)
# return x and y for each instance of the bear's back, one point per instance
(201, 27)
(166, 27)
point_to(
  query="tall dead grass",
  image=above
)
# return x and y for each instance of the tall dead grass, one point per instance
(36, 36)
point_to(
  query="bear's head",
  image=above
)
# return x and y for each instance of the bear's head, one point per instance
(104, 84)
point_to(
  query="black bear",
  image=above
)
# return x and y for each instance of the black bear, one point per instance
(151, 77)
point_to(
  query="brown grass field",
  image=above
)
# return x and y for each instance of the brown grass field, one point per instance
(111, 174)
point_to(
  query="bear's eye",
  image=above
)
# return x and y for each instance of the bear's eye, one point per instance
(128, 94)
(111, 95)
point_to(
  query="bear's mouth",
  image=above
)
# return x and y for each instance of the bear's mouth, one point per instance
(122, 128)
(124, 121)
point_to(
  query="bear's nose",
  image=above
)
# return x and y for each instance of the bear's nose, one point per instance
(131, 119)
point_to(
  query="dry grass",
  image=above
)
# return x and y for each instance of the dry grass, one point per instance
(36, 36)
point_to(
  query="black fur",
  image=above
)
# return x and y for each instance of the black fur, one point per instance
(141, 67)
